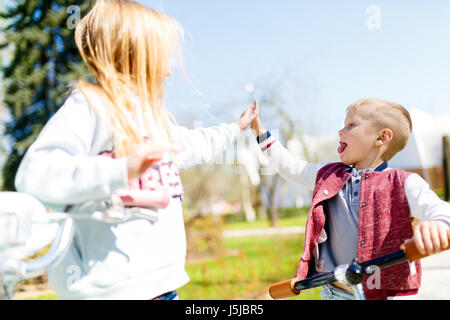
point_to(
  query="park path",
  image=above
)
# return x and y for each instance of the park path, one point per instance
(436, 277)
(435, 269)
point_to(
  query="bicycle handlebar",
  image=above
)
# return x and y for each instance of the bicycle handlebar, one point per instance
(62, 242)
(288, 288)
(21, 211)
(13, 270)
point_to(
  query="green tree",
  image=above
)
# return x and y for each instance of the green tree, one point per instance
(44, 60)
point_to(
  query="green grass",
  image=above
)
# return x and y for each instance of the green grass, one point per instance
(285, 222)
(45, 297)
(259, 262)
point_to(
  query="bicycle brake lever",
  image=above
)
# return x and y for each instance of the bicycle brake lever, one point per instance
(112, 216)
(116, 212)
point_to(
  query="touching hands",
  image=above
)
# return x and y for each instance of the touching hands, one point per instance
(431, 237)
(253, 120)
(246, 118)
(144, 155)
(256, 125)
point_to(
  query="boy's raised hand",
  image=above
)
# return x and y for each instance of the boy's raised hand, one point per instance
(246, 118)
(256, 125)
(144, 155)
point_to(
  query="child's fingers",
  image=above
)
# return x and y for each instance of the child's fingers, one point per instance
(154, 152)
(435, 238)
(160, 149)
(418, 241)
(257, 122)
(426, 237)
(247, 111)
(154, 157)
(255, 106)
(173, 149)
(444, 233)
(253, 116)
(147, 163)
(116, 200)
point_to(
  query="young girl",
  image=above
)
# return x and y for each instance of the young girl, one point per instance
(115, 138)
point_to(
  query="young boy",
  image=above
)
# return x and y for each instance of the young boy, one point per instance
(362, 208)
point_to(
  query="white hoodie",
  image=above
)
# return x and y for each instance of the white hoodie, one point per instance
(138, 259)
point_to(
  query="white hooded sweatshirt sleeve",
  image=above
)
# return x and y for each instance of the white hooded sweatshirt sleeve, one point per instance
(62, 166)
(203, 145)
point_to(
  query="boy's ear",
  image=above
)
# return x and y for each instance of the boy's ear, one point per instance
(384, 137)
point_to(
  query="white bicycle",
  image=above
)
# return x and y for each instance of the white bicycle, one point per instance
(27, 227)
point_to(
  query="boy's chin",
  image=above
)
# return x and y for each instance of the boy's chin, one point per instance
(346, 161)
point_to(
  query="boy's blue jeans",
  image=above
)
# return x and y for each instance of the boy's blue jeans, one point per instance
(330, 292)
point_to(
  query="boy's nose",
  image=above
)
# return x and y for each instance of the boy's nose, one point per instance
(340, 133)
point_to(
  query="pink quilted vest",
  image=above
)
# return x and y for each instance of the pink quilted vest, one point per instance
(384, 224)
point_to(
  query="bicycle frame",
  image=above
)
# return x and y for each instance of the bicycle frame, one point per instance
(349, 275)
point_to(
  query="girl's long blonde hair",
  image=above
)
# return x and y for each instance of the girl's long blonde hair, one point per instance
(129, 48)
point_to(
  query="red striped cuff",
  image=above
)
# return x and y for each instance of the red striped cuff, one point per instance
(268, 145)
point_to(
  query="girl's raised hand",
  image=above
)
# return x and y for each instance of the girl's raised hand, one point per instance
(144, 155)
(246, 118)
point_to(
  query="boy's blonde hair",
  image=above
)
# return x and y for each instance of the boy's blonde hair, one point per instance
(390, 115)
(129, 49)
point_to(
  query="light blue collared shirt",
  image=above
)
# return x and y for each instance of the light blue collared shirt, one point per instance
(341, 225)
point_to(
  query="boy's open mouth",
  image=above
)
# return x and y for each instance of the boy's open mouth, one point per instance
(342, 146)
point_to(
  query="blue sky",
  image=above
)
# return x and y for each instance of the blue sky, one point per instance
(331, 56)
(325, 46)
